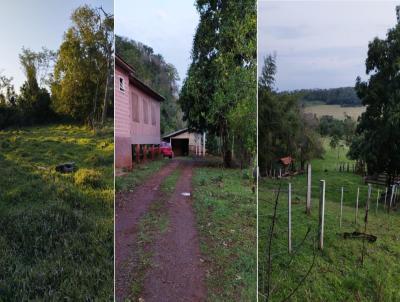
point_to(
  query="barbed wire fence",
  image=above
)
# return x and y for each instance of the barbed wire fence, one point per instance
(298, 225)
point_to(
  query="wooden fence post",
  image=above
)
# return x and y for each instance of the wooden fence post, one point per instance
(321, 214)
(369, 194)
(391, 198)
(358, 195)
(377, 202)
(386, 191)
(308, 201)
(341, 208)
(290, 217)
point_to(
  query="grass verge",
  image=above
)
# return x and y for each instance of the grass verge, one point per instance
(225, 210)
(138, 175)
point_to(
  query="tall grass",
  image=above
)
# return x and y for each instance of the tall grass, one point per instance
(56, 235)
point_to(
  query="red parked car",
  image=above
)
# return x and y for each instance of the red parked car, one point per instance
(166, 150)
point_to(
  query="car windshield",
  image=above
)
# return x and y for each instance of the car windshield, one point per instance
(164, 144)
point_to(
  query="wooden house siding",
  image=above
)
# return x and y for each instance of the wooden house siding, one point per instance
(137, 115)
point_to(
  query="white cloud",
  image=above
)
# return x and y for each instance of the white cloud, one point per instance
(323, 43)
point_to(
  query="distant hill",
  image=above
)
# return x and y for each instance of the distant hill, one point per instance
(343, 96)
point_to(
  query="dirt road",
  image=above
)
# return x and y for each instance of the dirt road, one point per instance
(176, 272)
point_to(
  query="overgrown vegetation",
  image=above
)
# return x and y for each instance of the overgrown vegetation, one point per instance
(56, 238)
(337, 274)
(225, 210)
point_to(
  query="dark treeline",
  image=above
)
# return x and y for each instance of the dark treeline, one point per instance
(343, 96)
(161, 76)
(74, 83)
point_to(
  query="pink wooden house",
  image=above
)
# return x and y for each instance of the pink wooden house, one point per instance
(137, 117)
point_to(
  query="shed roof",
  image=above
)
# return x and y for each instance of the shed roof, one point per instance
(135, 80)
(175, 133)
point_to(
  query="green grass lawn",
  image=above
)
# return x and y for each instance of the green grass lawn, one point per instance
(225, 210)
(56, 235)
(337, 274)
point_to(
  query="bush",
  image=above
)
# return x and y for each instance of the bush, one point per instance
(88, 178)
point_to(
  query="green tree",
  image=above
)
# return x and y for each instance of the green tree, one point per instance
(7, 91)
(378, 130)
(34, 101)
(284, 129)
(82, 70)
(218, 95)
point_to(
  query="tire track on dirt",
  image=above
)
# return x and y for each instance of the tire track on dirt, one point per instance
(130, 207)
(177, 273)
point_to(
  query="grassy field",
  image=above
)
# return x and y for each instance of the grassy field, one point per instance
(337, 273)
(336, 111)
(225, 209)
(56, 235)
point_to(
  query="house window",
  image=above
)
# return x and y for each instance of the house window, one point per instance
(135, 108)
(145, 112)
(122, 84)
(153, 114)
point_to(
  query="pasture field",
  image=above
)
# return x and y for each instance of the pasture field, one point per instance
(337, 272)
(56, 235)
(336, 111)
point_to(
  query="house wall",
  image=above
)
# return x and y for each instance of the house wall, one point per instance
(128, 131)
(144, 132)
(123, 151)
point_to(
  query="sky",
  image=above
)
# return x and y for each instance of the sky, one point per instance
(34, 24)
(320, 44)
(166, 26)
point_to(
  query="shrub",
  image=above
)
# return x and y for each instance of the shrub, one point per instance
(88, 178)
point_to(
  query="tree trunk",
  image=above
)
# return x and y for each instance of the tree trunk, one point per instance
(226, 151)
(104, 115)
(94, 106)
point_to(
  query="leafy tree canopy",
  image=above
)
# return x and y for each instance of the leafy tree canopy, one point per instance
(378, 131)
(218, 94)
